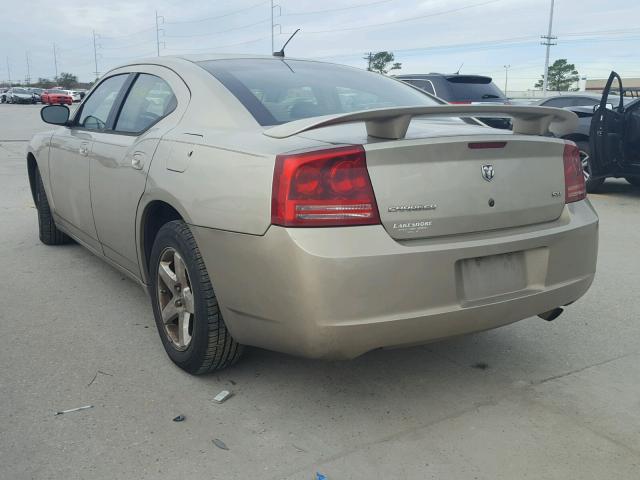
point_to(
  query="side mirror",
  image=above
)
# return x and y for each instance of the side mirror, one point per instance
(55, 114)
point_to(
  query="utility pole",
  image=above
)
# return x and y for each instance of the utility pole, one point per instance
(273, 25)
(369, 58)
(28, 77)
(548, 42)
(506, 79)
(95, 54)
(9, 71)
(159, 18)
(55, 60)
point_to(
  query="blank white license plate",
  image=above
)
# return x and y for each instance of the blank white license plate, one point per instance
(494, 275)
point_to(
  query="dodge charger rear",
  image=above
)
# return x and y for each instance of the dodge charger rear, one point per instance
(325, 211)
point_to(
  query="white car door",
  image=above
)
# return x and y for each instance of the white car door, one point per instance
(69, 164)
(122, 154)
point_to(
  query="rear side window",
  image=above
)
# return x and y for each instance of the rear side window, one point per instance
(279, 91)
(471, 88)
(149, 100)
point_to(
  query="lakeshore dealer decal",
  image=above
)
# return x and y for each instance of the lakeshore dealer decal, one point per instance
(412, 227)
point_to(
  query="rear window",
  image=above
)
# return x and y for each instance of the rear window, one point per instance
(280, 91)
(469, 88)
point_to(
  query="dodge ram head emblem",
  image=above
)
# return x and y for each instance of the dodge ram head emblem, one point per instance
(487, 172)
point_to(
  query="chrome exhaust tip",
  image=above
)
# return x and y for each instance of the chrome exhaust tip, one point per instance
(551, 314)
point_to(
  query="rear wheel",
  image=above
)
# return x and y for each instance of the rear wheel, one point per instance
(635, 181)
(593, 184)
(49, 233)
(185, 307)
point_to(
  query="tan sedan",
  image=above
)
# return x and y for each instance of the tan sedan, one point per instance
(312, 208)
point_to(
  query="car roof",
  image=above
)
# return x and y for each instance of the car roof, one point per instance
(444, 75)
(569, 95)
(169, 60)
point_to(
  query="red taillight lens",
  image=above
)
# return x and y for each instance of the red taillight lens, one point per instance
(326, 188)
(574, 186)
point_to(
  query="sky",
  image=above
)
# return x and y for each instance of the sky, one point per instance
(482, 36)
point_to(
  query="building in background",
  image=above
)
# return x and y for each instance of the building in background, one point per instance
(597, 84)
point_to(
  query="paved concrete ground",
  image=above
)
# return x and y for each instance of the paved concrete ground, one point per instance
(558, 400)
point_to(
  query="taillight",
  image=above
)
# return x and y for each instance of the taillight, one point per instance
(575, 188)
(325, 188)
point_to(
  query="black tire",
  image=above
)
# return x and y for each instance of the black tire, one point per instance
(49, 233)
(593, 184)
(211, 346)
(635, 181)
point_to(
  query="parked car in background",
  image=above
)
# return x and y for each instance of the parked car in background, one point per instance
(82, 92)
(52, 97)
(615, 138)
(3, 94)
(583, 106)
(19, 95)
(460, 89)
(569, 100)
(75, 96)
(314, 217)
(37, 93)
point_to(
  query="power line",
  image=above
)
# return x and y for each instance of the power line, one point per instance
(115, 37)
(220, 31)
(228, 14)
(409, 19)
(131, 45)
(217, 47)
(339, 9)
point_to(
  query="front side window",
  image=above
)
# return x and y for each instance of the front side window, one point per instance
(279, 91)
(149, 100)
(95, 111)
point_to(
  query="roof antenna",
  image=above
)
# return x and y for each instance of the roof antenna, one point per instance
(281, 52)
(460, 68)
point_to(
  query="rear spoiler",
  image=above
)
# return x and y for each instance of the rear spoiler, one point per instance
(392, 123)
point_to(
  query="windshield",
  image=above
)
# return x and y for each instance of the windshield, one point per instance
(20, 90)
(276, 92)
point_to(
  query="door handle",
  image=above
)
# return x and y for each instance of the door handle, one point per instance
(84, 149)
(137, 161)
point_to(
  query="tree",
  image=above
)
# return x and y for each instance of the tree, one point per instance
(562, 77)
(382, 62)
(44, 83)
(67, 80)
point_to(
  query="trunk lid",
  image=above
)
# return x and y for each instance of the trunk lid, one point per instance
(443, 186)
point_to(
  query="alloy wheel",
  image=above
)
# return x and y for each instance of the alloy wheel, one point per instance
(175, 299)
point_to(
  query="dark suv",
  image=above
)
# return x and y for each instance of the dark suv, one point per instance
(461, 89)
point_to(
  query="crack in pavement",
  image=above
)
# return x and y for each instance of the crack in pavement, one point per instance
(578, 370)
(510, 392)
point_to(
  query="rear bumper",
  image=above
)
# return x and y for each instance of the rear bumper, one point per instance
(340, 292)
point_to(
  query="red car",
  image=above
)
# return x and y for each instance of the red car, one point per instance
(52, 97)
